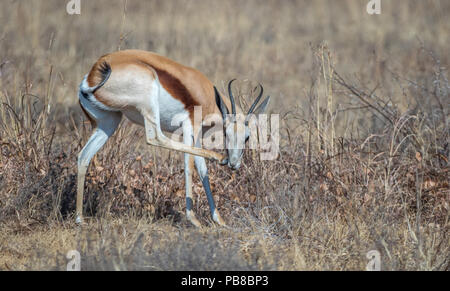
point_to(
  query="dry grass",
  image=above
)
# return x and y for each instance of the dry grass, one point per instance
(364, 150)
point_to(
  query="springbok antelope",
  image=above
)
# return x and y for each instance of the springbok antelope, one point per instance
(151, 90)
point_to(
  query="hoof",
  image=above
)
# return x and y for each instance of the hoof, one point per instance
(79, 220)
(191, 217)
(218, 219)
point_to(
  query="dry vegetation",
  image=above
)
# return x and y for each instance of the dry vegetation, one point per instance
(364, 156)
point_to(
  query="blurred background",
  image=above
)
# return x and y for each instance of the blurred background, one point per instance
(266, 41)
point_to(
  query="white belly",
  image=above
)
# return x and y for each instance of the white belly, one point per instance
(171, 112)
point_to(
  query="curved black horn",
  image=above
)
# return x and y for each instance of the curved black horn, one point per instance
(250, 111)
(220, 104)
(230, 93)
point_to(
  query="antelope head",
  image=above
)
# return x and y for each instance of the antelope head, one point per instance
(236, 125)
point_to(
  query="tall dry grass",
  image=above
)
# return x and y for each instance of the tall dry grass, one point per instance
(363, 161)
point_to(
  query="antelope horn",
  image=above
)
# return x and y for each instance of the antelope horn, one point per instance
(230, 93)
(252, 108)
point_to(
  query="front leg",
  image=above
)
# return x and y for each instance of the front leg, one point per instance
(202, 171)
(188, 170)
(155, 137)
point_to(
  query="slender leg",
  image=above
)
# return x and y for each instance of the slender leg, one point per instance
(202, 171)
(105, 129)
(188, 171)
(156, 137)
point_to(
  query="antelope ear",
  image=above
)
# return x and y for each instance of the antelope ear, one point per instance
(262, 107)
(221, 104)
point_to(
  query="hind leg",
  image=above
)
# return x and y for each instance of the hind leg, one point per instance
(107, 122)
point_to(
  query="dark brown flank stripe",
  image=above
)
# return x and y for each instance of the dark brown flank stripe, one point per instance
(172, 85)
(176, 89)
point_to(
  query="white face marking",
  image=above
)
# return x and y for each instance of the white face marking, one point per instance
(237, 133)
